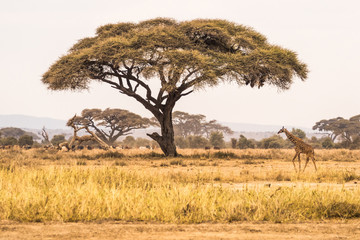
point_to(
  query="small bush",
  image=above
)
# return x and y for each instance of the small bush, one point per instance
(225, 155)
(349, 176)
(217, 178)
(86, 157)
(176, 162)
(120, 163)
(81, 163)
(110, 154)
(249, 161)
(281, 177)
(150, 155)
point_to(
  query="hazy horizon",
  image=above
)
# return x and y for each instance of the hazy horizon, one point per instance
(323, 33)
(36, 122)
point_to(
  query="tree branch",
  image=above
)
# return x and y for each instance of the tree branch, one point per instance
(184, 94)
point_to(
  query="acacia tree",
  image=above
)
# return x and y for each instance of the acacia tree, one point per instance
(333, 126)
(186, 124)
(110, 124)
(347, 129)
(181, 56)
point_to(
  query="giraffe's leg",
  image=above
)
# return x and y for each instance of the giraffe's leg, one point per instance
(307, 160)
(313, 160)
(293, 161)
(299, 163)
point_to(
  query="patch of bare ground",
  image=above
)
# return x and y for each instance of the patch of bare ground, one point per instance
(121, 230)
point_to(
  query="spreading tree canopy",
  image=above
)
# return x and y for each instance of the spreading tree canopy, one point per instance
(186, 124)
(347, 129)
(110, 124)
(181, 56)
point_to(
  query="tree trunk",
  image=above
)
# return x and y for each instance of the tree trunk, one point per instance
(166, 140)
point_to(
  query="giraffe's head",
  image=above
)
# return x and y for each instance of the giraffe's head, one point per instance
(281, 130)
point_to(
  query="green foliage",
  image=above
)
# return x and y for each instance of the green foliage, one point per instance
(315, 142)
(233, 142)
(186, 124)
(142, 142)
(8, 141)
(356, 143)
(57, 139)
(25, 140)
(197, 142)
(217, 139)
(272, 142)
(327, 143)
(299, 133)
(244, 143)
(225, 155)
(181, 142)
(129, 141)
(110, 154)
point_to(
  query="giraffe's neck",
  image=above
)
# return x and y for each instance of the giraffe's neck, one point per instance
(291, 137)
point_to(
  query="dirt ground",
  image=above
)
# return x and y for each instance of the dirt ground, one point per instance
(121, 230)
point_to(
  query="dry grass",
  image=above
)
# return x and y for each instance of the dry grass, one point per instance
(140, 185)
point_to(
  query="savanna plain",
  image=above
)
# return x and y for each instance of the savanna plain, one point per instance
(203, 194)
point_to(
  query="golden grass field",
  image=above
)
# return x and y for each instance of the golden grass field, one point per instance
(217, 194)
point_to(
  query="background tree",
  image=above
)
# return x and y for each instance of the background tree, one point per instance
(129, 141)
(182, 56)
(46, 139)
(316, 142)
(77, 124)
(197, 142)
(142, 142)
(298, 133)
(213, 126)
(244, 143)
(8, 141)
(217, 139)
(181, 142)
(272, 142)
(110, 124)
(186, 124)
(339, 128)
(57, 139)
(327, 143)
(333, 126)
(25, 140)
(233, 142)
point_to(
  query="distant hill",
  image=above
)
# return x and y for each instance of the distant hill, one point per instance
(29, 122)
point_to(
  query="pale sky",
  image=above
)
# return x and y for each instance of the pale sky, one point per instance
(324, 33)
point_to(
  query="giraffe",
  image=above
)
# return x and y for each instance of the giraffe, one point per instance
(300, 147)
